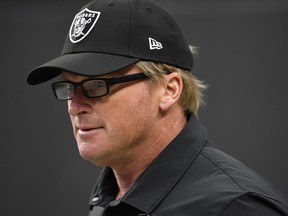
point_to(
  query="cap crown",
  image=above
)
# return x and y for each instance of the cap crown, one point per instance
(133, 28)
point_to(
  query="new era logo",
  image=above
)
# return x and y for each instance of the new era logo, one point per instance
(154, 44)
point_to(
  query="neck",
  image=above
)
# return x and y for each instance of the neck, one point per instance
(165, 131)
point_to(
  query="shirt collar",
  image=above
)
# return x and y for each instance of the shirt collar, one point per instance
(163, 173)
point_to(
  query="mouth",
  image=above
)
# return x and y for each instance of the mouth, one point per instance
(83, 131)
(86, 129)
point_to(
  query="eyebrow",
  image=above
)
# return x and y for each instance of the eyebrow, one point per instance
(73, 76)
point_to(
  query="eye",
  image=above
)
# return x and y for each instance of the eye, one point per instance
(95, 87)
(95, 84)
(63, 90)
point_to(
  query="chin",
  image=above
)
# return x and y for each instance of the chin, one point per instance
(89, 154)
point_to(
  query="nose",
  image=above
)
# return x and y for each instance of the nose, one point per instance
(79, 104)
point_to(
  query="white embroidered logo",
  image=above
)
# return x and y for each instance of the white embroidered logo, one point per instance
(154, 44)
(82, 24)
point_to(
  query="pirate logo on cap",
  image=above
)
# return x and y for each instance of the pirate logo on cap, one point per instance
(82, 24)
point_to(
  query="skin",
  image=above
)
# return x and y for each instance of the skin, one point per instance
(127, 129)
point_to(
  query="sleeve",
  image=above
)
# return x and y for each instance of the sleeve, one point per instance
(252, 204)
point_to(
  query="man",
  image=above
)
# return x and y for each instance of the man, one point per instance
(126, 74)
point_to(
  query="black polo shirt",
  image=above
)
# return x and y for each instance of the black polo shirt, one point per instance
(191, 176)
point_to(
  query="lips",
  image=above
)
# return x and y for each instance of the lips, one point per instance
(85, 131)
(85, 126)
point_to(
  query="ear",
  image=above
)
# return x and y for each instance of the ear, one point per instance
(173, 85)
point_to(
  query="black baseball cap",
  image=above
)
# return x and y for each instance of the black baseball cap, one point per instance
(108, 35)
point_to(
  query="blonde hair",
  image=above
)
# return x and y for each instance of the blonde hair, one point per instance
(192, 93)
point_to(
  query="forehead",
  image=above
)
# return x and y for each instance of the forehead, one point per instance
(78, 78)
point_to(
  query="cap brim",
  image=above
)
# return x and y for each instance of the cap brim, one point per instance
(86, 64)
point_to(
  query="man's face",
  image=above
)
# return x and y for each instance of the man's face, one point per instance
(114, 128)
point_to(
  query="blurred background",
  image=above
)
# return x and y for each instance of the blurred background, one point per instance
(243, 55)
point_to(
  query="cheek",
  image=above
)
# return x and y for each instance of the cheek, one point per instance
(136, 110)
(134, 105)
(123, 111)
(71, 117)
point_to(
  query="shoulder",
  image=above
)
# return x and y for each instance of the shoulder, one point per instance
(221, 185)
(224, 168)
(251, 204)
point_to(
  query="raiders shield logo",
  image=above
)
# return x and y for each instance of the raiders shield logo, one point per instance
(82, 24)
